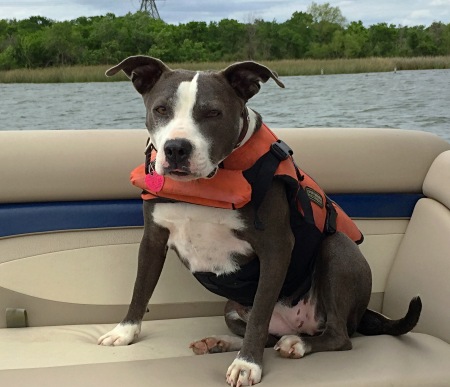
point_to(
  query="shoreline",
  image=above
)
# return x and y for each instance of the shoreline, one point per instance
(285, 67)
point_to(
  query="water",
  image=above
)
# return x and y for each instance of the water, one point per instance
(417, 100)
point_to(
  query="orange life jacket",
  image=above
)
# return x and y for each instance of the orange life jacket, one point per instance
(244, 178)
(230, 188)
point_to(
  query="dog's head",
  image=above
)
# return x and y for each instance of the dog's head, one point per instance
(194, 118)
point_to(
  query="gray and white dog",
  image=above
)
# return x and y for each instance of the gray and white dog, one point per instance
(195, 121)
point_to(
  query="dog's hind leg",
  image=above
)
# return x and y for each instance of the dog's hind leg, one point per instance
(341, 288)
(217, 344)
(236, 317)
(333, 338)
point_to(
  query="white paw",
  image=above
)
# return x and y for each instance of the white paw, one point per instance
(122, 334)
(291, 346)
(243, 373)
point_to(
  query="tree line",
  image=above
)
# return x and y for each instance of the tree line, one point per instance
(320, 33)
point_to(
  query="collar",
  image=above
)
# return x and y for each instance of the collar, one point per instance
(246, 119)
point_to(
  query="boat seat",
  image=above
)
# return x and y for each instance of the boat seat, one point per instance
(422, 264)
(67, 354)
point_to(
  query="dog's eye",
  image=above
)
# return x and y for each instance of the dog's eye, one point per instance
(161, 110)
(213, 113)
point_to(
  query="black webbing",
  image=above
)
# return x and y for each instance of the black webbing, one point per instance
(261, 175)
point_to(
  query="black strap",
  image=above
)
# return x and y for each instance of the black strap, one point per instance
(331, 220)
(305, 204)
(261, 175)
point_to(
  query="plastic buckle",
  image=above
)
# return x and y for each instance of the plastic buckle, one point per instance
(281, 150)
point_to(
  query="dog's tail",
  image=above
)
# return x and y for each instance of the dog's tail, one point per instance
(373, 323)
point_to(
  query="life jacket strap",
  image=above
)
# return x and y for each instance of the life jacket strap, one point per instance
(331, 219)
(305, 204)
(261, 175)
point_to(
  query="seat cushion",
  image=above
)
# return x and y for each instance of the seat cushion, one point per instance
(437, 181)
(77, 344)
(422, 268)
(69, 356)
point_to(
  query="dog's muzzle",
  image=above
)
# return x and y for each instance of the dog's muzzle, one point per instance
(178, 152)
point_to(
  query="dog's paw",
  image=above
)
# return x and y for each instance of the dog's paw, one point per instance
(291, 346)
(216, 344)
(122, 334)
(243, 373)
(208, 345)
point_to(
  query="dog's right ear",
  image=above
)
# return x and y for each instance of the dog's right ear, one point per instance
(245, 78)
(144, 71)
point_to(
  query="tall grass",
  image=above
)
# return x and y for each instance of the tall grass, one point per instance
(282, 67)
(57, 75)
(351, 66)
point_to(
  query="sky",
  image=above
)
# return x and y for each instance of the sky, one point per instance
(398, 12)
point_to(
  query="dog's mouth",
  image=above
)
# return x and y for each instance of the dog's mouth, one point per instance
(182, 174)
(178, 172)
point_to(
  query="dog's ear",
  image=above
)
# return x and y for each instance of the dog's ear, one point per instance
(144, 71)
(245, 78)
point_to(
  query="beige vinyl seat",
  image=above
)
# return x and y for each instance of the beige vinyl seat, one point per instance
(59, 349)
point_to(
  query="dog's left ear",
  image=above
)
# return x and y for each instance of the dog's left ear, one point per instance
(245, 78)
(144, 71)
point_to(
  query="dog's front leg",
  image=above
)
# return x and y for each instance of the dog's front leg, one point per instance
(273, 247)
(246, 369)
(152, 254)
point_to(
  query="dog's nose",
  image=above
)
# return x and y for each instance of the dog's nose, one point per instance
(177, 150)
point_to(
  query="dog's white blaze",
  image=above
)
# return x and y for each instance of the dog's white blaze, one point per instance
(184, 126)
(187, 95)
(203, 236)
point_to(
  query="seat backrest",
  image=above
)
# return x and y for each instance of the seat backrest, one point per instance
(422, 264)
(70, 221)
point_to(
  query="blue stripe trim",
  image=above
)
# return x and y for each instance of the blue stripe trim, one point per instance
(383, 205)
(27, 218)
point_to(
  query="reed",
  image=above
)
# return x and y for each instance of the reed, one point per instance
(282, 67)
(57, 75)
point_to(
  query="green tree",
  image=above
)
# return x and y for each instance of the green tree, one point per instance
(326, 13)
(382, 39)
(63, 44)
(322, 32)
(355, 40)
(327, 31)
(231, 39)
(295, 36)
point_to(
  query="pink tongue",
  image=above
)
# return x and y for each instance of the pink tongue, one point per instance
(154, 181)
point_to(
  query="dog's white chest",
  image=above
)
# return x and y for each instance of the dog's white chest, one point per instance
(203, 237)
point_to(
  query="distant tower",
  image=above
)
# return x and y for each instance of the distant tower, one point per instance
(149, 6)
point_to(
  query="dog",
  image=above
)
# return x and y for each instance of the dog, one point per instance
(195, 121)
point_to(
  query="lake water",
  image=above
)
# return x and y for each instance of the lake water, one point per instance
(417, 100)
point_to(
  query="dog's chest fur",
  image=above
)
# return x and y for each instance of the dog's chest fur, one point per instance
(203, 237)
